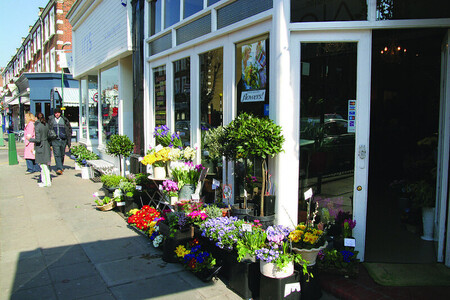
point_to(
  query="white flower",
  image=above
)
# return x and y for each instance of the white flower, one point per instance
(140, 159)
(95, 195)
(157, 241)
(117, 193)
(159, 147)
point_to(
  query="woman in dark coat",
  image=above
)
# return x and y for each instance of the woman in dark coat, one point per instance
(42, 149)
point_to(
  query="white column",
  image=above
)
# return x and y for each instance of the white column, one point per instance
(284, 110)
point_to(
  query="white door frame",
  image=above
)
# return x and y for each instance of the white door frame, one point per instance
(364, 64)
(442, 209)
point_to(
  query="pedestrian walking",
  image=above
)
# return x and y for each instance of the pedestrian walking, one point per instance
(63, 130)
(29, 153)
(42, 149)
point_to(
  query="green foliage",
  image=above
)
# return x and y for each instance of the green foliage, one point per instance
(127, 187)
(82, 154)
(251, 136)
(119, 145)
(423, 194)
(104, 201)
(250, 241)
(214, 142)
(213, 211)
(112, 180)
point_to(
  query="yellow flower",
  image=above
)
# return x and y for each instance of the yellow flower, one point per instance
(301, 227)
(181, 251)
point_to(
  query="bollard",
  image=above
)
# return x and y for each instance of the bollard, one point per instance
(12, 153)
(2, 142)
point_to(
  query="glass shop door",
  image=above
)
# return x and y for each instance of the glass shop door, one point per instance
(334, 89)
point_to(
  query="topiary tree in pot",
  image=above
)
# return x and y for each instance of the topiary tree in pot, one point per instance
(249, 136)
(119, 146)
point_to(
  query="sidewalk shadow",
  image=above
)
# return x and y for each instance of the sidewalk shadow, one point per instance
(107, 269)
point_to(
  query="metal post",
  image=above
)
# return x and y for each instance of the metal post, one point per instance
(62, 77)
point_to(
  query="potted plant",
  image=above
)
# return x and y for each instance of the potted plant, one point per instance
(111, 182)
(249, 136)
(157, 157)
(186, 175)
(176, 227)
(423, 196)
(197, 260)
(276, 257)
(104, 204)
(83, 157)
(170, 190)
(119, 146)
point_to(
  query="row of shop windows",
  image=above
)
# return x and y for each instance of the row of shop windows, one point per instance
(173, 11)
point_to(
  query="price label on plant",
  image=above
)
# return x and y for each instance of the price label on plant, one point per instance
(195, 197)
(291, 287)
(308, 194)
(138, 188)
(120, 203)
(215, 184)
(348, 242)
(247, 227)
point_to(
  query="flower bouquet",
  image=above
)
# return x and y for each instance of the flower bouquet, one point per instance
(198, 261)
(186, 173)
(165, 138)
(157, 156)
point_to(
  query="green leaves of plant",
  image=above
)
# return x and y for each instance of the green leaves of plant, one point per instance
(119, 145)
(251, 136)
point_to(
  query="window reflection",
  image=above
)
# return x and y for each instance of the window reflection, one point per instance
(327, 139)
(159, 75)
(405, 9)
(93, 108)
(192, 6)
(172, 13)
(182, 92)
(155, 18)
(328, 10)
(110, 102)
(211, 105)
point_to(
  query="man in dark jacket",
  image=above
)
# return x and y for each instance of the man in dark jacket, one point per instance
(63, 130)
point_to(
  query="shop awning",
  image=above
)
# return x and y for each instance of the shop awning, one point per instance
(71, 96)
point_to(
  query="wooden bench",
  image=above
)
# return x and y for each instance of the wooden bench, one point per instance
(102, 166)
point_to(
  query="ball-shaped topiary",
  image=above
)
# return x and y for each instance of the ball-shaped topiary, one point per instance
(119, 145)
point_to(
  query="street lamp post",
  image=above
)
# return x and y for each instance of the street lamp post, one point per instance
(62, 75)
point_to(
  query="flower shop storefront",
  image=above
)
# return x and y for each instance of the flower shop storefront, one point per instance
(313, 79)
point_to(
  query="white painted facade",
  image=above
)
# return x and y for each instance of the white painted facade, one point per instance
(101, 39)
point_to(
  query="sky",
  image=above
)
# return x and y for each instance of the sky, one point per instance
(16, 16)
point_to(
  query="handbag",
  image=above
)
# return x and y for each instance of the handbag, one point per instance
(51, 135)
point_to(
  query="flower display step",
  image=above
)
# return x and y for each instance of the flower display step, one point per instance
(280, 288)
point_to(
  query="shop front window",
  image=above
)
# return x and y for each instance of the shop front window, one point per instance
(110, 102)
(252, 77)
(93, 108)
(182, 96)
(159, 75)
(211, 105)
